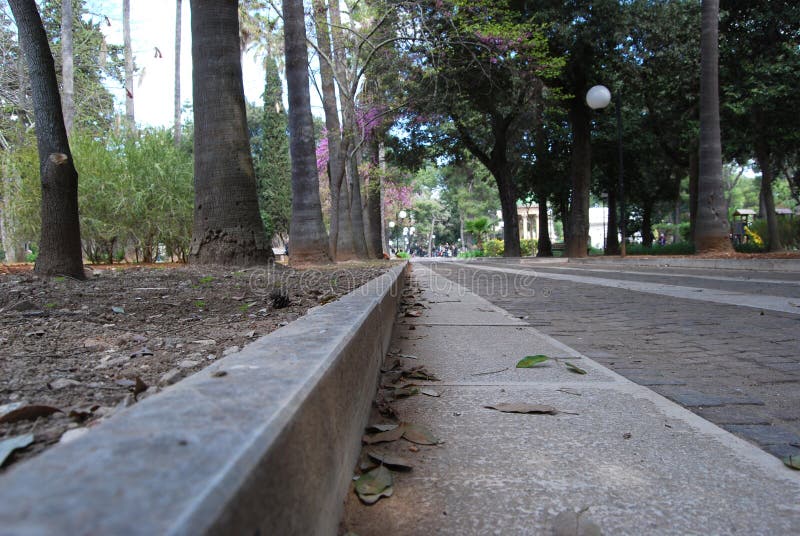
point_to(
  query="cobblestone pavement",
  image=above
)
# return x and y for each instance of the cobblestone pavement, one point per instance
(738, 367)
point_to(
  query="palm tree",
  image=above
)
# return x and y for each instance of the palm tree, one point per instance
(227, 224)
(177, 96)
(308, 241)
(712, 228)
(67, 66)
(60, 244)
(128, 52)
(478, 227)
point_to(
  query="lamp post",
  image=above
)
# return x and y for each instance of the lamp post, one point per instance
(598, 97)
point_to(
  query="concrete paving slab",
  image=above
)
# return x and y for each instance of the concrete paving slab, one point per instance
(637, 462)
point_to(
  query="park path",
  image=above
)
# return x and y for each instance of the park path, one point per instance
(631, 460)
(725, 344)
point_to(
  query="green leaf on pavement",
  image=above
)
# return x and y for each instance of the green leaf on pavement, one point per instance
(531, 361)
(793, 462)
(574, 368)
(7, 446)
(373, 485)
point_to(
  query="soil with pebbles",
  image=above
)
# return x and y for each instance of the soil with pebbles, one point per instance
(89, 348)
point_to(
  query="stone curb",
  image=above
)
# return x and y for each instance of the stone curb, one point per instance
(260, 442)
(768, 265)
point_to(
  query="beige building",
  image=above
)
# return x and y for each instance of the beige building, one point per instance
(528, 216)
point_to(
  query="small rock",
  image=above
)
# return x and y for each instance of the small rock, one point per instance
(143, 352)
(62, 383)
(211, 357)
(125, 383)
(94, 344)
(188, 363)
(23, 306)
(72, 434)
(205, 342)
(230, 350)
(170, 377)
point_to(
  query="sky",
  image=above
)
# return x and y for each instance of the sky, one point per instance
(153, 25)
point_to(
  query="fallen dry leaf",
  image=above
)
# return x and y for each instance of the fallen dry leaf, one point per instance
(384, 437)
(416, 433)
(28, 413)
(522, 407)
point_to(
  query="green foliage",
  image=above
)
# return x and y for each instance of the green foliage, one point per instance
(133, 191)
(269, 140)
(528, 247)
(749, 247)
(493, 248)
(681, 248)
(403, 255)
(788, 230)
(470, 254)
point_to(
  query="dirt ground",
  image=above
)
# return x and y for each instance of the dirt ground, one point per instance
(72, 353)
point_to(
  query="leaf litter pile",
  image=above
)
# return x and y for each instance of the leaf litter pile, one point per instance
(73, 353)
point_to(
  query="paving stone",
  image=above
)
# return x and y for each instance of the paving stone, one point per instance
(734, 415)
(725, 355)
(764, 434)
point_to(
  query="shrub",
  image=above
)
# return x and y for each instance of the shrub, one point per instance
(528, 247)
(681, 248)
(403, 255)
(470, 254)
(493, 248)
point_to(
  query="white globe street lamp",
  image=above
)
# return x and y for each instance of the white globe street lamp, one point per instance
(598, 97)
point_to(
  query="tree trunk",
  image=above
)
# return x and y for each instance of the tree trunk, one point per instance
(694, 181)
(676, 220)
(577, 245)
(544, 247)
(508, 204)
(647, 224)
(60, 243)
(227, 225)
(713, 229)
(612, 237)
(350, 130)
(128, 52)
(767, 177)
(334, 135)
(372, 220)
(563, 208)
(176, 128)
(345, 249)
(67, 66)
(308, 241)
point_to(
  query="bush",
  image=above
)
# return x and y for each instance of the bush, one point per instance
(403, 255)
(470, 254)
(788, 230)
(493, 248)
(528, 247)
(749, 247)
(681, 248)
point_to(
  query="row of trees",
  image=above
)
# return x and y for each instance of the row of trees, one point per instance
(407, 82)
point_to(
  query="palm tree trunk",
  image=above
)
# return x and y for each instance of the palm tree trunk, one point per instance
(227, 224)
(336, 170)
(711, 234)
(308, 241)
(177, 95)
(128, 52)
(67, 66)
(60, 243)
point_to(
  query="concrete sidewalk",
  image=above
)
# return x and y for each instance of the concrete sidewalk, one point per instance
(634, 461)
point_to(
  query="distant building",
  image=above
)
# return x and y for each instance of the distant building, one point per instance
(528, 216)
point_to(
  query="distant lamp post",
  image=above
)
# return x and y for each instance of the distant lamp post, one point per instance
(598, 97)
